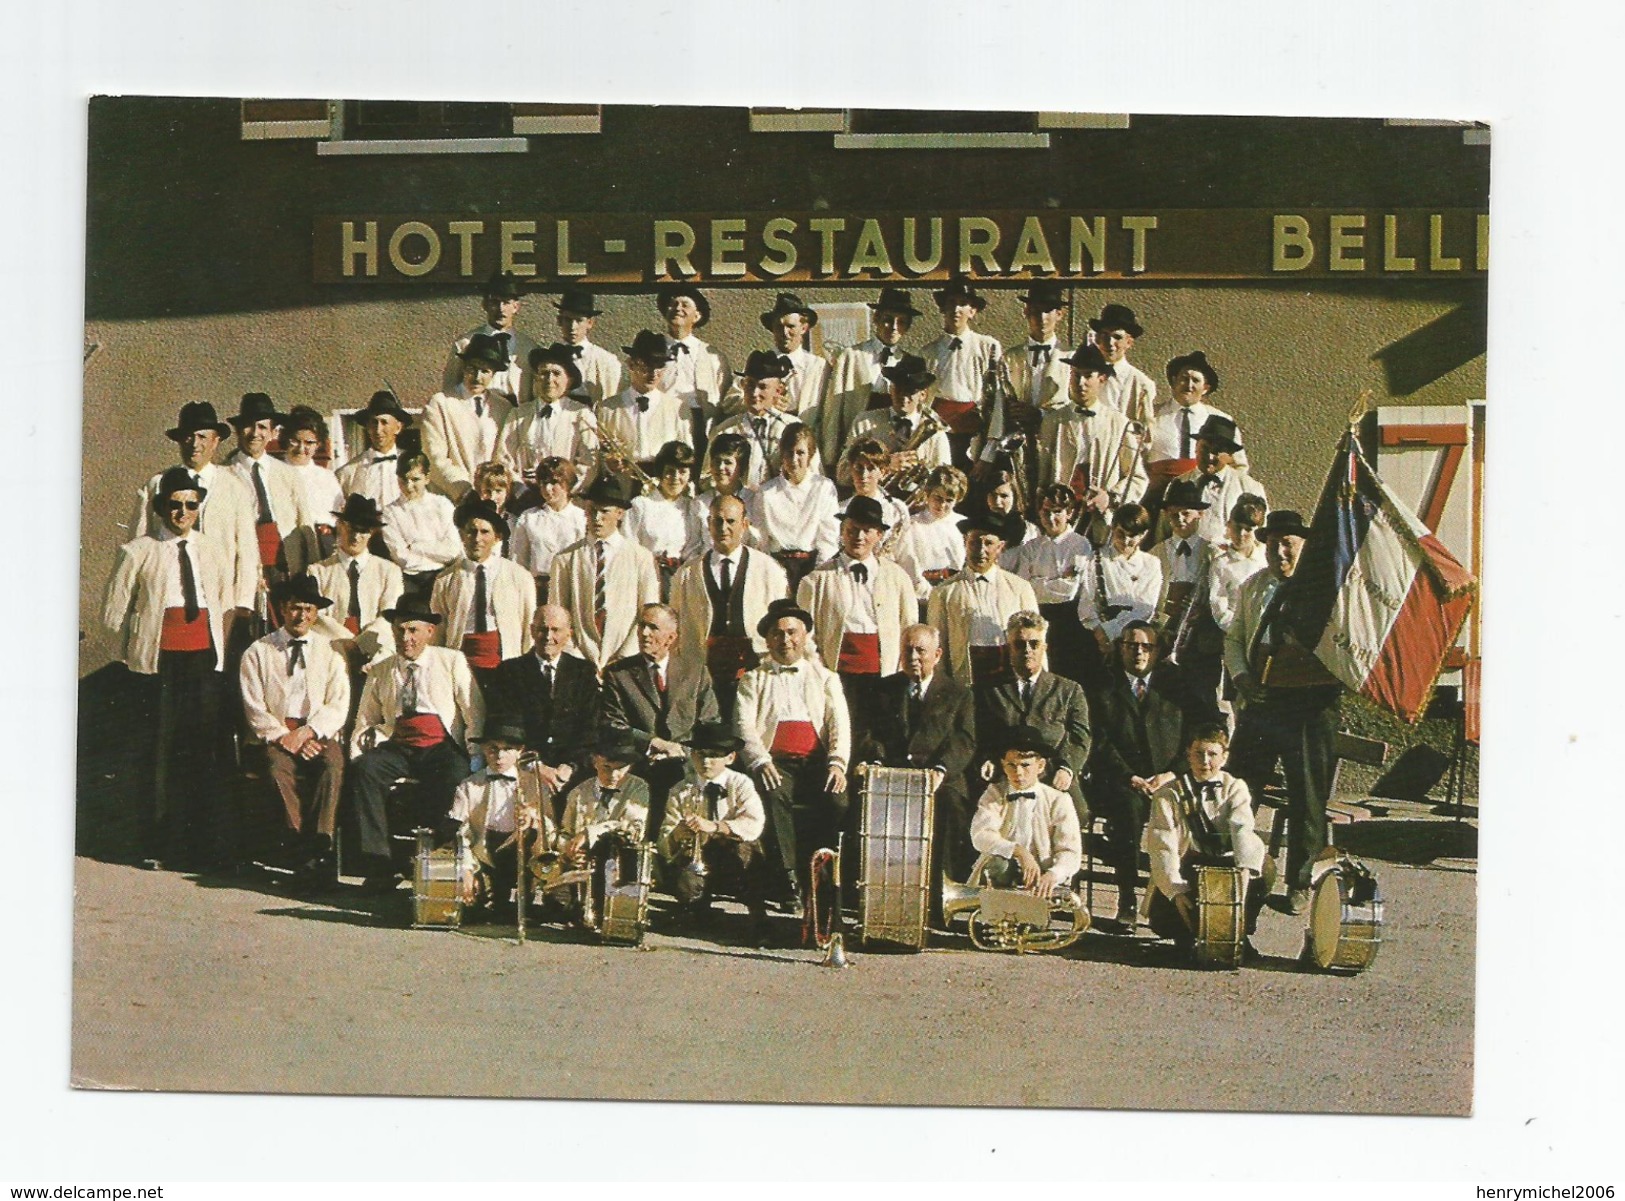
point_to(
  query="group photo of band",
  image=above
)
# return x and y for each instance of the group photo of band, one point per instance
(925, 624)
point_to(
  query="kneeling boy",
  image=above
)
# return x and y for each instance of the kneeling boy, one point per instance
(1028, 828)
(711, 836)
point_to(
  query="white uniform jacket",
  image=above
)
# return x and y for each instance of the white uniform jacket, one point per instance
(510, 591)
(1047, 826)
(740, 807)
(146, 581)
(1045, 385)
(644, 431)
(1131, 392)
(971, 609)
(765, 582)
(1102, 445)
(569, 431)
(1229, 812)
(854, 378)
(1166, 434)
(227, 517)
(380, 588)
(601, 372)
(882, 426)
(1055, 567)
(961, 372)
(321, 689)
(698, 376)
(372, 475)
(457, 440)
(289, 508)
(805, 691)
(586, 813)
(631, 580)
(445, 687)
(829, 592)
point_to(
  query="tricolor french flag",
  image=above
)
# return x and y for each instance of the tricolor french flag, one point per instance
(1376, 596)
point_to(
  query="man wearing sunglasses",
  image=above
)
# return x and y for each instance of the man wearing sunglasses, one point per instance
(167, 599)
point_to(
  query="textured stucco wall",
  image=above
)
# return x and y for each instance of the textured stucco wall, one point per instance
(1293, 360)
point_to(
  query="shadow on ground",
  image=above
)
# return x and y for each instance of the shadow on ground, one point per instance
(1398, 840)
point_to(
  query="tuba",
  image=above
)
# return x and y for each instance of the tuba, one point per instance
(1012, 919)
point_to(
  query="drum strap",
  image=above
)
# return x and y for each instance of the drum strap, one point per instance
(1204, 838)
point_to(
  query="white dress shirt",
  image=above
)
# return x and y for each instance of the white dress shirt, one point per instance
(788, 516)
(1046, 824)
(1131, 392)
(372, 476)
(541, 533)
(1231, 569)
(420, 534)
(930, 544)
(740, 807)
(1229, 811)
(315, 692)
(586, 811)
(1133, 582)
(805, 691)
(643, 432)
(1166, 429)
(673, 529)
(320, 488)
(1053, 566)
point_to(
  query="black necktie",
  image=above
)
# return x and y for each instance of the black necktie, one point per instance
(480, 626)
(643, 404)
(479, 405)
(1184, 433)
(760, 425)
(727, 585)
(1184, 550)
(296, 654)
(506, 341)
(355, 590)
(188, 584)
(860, 573)
(884, 356)
(954, 343)
(260, 495)
(713, 800)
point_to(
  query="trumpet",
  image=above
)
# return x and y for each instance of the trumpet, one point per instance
(611, 448)
(905, 482)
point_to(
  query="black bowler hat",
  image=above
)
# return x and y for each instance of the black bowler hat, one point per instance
(610, 489)
(1194, 361)
(360, 512)
(561, 354)
(782, 608)
(650, 347)
(474, 508)
(1284, 521)
(503, 285)
(1117, 316)
(1184, 494)
(1088, 359)
(959, 292)
(909, 374)
(1007, 526)
(179, 479)
(617, 746)
(865, 510)
(486, 350)
(714, 738)
(671, 292)
(504, 729)
(895, 300)
(384, 402)
(196, 415)
(1220, 432)
(301, 589)
(766, 364)
(1027, 740)
(1044, 296)
(413, 609)
(255, 407)
(580, 302)
(786, 303)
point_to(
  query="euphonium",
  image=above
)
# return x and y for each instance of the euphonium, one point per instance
(905, 482)
(1011, 919)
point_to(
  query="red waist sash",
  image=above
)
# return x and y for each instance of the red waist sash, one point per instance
(270, 540)
(483, 650)
(420, 729)
(795, 739)
(353, 624)
(728, 657)
(960, 416)
(1164, 470)
(937, 574)
(182, 635)
(859, 656)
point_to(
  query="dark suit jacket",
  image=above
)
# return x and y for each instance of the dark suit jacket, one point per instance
(942, 735)
(561, 728)
(1136, 738)
(631, 701)
(1057, 708)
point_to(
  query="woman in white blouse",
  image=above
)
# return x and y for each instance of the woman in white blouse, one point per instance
(418, 528)
(1124, 584)
(545, 529)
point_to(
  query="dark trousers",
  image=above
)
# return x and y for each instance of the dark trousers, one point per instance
(499, 878)
(661, 776)
(862, 701)
(185, 819)
(1125, 811)
(1298, 727)
(731, 866)
(801, 815)
(308, 788)
(438, 768)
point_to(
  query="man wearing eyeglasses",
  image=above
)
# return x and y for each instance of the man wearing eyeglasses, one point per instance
(166, 600)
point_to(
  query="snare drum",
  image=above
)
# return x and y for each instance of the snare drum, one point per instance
(1221, 922)
(625, 903)
(437, 882)
(897, 820)
(1345, 917)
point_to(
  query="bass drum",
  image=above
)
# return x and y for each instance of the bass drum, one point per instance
(896, 822)
(1345, 918)
(1221, 921)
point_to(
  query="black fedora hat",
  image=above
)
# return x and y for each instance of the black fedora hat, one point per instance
(1028, 740)
(197, 415)
(664, 296)
(714, 738)
(780, 609)
(1117, 316)
(909, 374)
(1184, 494)
(1007, 526)
(179, 479)
(485, 349)
(504, 729)
(301, 588)
(384, 402)
(650, 347)
(610, 489)
(786, 303)
(1044, 295)
(257, 406)
(1088, 359)
(477, 508)
(766, 364)
(895, 300)
(865, 510)
(1194, 361)
(1221, 433)
(562, 355)
(412, 608)
(1284, 521)
(503, 285)
(580, 302)
(360, 512)
(617, 745)
(958, 292)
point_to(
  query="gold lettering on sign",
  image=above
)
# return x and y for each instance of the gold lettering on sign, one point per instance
(1138, 227)
(1090, 236)
(414, 229)
(1347, 234)
(365, 247)
(1032, 249)
(515, 244)
(563, 264)
(1483, 241)
(1437, 259)
(911, 251)
(773, 237)
(1392, 260)
(727, 237)
(826, 228)
(978, 239)
(1293, 248)
(871, 253)
(464, 232)
(674, 244)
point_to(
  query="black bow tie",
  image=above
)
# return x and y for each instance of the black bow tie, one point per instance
(1205, 787)
(902, 425)
(954, 344)
(1184, 549)
(884, 356)
(1023, 796)
(1040, 350)
(605, 793)
(575, 351)
(1208, 481)
(497, 776)
(545, 412)
(385, 458)
(860, 573)
(643, 404)
(679, 347)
